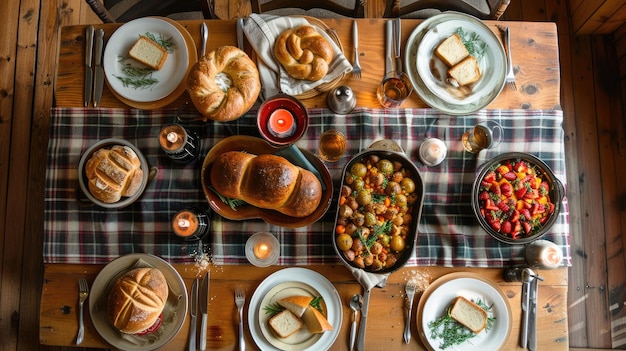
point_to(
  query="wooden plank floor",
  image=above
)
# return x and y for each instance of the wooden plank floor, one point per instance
(595, 127)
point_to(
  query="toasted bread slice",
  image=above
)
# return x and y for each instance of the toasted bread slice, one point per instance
(452, 50)
(315, 321)
(469, 314)
(465, 72)
(285, 323)
(148, 52)
(296, 304)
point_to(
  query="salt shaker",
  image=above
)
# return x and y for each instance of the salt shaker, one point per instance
(543, 254)
(341, 100)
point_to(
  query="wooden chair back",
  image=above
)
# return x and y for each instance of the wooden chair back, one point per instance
(483, 9)
(111, 11)
(346, 8)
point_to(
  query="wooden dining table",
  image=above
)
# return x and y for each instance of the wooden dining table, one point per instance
(534, 49)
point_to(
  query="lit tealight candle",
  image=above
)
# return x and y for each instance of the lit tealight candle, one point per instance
(262, 249)
(281, 123)
(432, 151)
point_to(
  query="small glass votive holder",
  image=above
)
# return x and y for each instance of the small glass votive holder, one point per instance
(484, 135)
(262, 249)
(432, 152)
(332, 145)
(394, 89)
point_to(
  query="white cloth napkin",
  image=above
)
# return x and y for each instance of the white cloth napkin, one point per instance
(262, 31)
(369, 280)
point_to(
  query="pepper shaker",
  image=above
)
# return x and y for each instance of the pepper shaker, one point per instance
(341, 100)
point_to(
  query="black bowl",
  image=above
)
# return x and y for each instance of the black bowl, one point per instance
(411, 237)
(556, 193)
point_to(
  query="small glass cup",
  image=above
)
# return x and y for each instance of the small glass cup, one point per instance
(332, 145)
(262, 249)
(394, 89)
(484, 135)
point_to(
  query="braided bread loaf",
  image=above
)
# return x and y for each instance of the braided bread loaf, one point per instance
(266, 181)
(113, 173)
(304, 53)
(224, 84)
(137, 299)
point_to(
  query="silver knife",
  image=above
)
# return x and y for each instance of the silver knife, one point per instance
(88, 58)
(204, 302)
(240, 33)
(193, 312)
(527, 278)
(204, 32)
(99, 71)
(532, 317)
(388, 47)
(397, 41)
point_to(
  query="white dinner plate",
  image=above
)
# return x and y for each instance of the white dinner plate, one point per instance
(173, 315)
(439, 296)
(169, 76)
(288, 282)
(428, 73)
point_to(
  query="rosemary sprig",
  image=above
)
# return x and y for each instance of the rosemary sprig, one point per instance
(166, 43)
(452, 332)
(474, 44)
(135, 77)
(233, 203)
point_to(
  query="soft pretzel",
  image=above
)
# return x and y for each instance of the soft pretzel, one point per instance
(224, 84)
(304, 53)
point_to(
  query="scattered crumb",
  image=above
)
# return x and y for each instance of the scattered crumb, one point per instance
(418, 278)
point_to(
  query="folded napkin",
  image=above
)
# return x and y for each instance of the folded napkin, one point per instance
(369, 280)
(262, 31)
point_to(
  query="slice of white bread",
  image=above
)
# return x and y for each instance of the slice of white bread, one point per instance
(465, 72)
(285, 323)
(315, 321)
(296, 304)
(469, 314)
(148, 52)
(452, 50)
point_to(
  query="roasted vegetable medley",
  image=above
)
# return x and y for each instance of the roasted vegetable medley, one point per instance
(514, 199)
(375, 208)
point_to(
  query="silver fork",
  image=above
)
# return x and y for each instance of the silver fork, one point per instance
(410, 293)
(240, 300)
(510, 75)
(356, 67)
(83, 292)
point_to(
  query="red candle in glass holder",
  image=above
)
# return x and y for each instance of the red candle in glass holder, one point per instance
(281, 123)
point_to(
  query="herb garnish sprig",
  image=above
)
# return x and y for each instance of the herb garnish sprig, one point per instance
(275, 308)
(473, 43)
(452, 332)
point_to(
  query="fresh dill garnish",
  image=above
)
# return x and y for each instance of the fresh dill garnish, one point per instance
(474, 44)
(452, 332)
(166, 43)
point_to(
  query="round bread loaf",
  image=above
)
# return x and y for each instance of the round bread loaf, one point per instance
(224, 84)
(266, 181)
(304, 53)
(137, 299)
(113, 173)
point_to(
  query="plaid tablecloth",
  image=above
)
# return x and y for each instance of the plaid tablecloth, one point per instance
(449, 235)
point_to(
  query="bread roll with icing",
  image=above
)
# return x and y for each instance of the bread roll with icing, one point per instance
(304, 53)
(224, 84)
(137, 299)
(113, 173)
(266, 181)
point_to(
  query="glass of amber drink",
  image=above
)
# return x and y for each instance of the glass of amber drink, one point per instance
(484, 135)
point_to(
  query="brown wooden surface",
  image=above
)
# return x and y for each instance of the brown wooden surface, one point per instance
(534, 48)
(535, 45)
(26, 93)
(385, 319)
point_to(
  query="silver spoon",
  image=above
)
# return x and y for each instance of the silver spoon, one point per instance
(355, 304)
